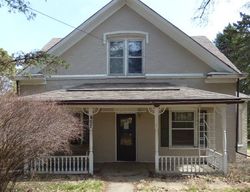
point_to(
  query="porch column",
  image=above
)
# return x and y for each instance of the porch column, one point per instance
(224, 136)
(156, 115)
(91, 155)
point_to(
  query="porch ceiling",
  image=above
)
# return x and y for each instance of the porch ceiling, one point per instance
(124, 94)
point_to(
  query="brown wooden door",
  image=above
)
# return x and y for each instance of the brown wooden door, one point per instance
(126, 148)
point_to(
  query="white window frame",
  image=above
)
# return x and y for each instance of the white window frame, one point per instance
(126, 56)
(195, 142)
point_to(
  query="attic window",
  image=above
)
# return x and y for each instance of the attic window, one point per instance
(125, 57)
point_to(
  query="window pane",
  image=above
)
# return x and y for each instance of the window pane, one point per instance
(183, 137)
(116, 48)
(182, 124)
(183, 116)
(116, 66)
(135, 48)
(135, 65)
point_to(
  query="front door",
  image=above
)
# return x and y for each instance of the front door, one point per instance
(126, 137)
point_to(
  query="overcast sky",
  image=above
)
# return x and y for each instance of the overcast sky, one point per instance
(17, 33)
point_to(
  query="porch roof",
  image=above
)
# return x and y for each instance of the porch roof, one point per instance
(139, 94)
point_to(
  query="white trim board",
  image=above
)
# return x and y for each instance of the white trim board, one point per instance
(116, 33)
(143, 76)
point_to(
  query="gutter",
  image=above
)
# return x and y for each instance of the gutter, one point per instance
(149, 102)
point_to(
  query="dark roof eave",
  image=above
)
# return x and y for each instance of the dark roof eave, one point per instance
(150, 102)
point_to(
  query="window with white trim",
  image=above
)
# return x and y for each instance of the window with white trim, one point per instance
(125, 57)
(182, 128)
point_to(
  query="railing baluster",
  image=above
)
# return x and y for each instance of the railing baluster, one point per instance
(178, 163)
(78, 164)
(86, 163)
(39, 165)
(165, 162)
(170, 164)
(174, 163)
(161, 163)
(73, 164)
(81, 167)
(69, 164)
(192, 158)
(66, 164)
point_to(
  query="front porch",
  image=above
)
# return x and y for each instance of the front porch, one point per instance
(207, 153)
(178, 129)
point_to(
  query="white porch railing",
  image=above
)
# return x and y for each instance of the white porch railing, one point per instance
(61, 165)
(215, 160)
(189, 164)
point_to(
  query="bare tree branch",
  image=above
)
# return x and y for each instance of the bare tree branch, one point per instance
(30, 130)
(201, 15)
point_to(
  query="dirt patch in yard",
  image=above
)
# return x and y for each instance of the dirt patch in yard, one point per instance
(191, 183)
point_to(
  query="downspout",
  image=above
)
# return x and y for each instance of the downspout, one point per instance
(237, 116)
(237, 120)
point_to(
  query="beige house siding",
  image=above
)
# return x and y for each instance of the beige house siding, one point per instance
(162, 54)
(242, 139)
(105, 138)
(104, 135)
(199, 83)
(145, 137)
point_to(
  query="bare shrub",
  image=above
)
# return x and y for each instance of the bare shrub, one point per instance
(30, 130)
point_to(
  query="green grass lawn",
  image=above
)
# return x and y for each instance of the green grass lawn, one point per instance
(89, 185)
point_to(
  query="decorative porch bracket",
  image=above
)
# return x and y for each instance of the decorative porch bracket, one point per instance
(91, 112)
(156, 111)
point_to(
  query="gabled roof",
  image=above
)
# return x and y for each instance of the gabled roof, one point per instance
(50, 44)
(213, 59)
(206, 43)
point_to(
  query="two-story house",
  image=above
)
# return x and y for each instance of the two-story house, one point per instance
(147, 92)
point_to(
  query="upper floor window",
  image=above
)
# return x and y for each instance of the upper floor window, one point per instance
(126, 57)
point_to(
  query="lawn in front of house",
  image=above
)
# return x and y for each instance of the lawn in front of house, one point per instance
(88, 185)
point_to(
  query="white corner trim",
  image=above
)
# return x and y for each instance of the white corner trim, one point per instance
(116, 33)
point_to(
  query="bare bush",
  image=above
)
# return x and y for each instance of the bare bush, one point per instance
(30, 130)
